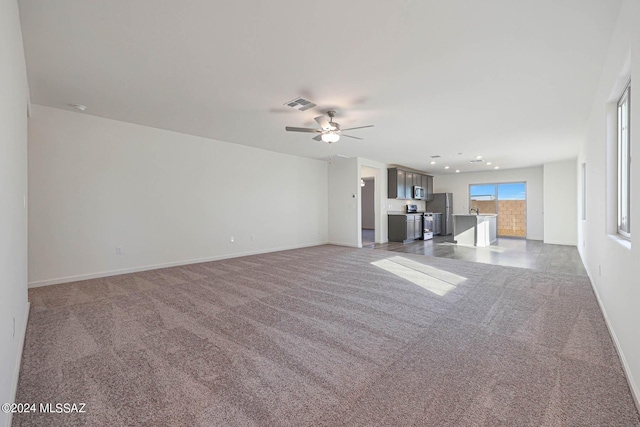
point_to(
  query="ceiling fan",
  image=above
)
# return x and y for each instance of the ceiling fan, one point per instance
(330, 131)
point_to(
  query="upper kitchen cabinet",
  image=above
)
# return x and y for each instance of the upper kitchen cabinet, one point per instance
(427, 183)
(409, 186)
(397, 188)
(401, 183)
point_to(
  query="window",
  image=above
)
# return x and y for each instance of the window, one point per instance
(624, 163)
(508, 200)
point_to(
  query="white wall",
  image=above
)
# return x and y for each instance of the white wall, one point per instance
(13, 190)
(561, 202)
(344, 193)
(612, 262)
(458, 184)
(166, 198)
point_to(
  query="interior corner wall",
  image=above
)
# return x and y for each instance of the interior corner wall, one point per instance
(561, 202)
(612, 262)
(164, 198)
(458, 184)
(14, 97)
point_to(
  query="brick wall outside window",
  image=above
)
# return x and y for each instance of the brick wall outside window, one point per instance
(512, 215)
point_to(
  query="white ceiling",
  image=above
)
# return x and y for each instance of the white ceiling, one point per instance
(511, 80)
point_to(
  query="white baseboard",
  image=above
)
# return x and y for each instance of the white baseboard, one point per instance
(18, 362)
(635, 392)
(88, 276)
(348, 244)
(559, 242)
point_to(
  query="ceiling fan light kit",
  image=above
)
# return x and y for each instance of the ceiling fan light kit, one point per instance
(330, 137)
(329, 131)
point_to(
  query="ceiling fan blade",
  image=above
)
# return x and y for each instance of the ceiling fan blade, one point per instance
(318, 137)
(323, 122)
(294, 129)
(359, 127)
(349, 136)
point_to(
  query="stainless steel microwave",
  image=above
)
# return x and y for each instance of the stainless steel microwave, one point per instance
(418, 192)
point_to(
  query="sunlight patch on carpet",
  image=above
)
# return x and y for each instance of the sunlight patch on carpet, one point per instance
(435, 280)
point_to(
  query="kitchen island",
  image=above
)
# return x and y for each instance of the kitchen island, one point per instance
(475, 230)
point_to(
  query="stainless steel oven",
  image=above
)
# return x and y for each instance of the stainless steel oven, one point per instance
(427, 226)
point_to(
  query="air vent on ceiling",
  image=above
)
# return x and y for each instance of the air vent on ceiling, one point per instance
(435, 157)
(300, 104)
(476, 161)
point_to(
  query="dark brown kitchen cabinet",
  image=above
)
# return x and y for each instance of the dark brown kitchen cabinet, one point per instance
(400, 184)
(405, 228)
(419, 180)
(396, 183)
(417, 227)
(428, 190)
(409, 186)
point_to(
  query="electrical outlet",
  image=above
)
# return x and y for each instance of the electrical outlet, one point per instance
(119, 250)
(232, 239)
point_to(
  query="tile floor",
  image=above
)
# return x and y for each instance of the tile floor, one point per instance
(513, 252)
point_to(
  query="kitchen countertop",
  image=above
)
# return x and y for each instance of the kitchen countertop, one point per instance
(404, 213)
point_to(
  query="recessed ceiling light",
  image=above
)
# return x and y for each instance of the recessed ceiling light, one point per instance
(478, 157)
(457, 170)
(488, 163)
(78, 107)
(497, 167)
(446, 167)
(433, 162)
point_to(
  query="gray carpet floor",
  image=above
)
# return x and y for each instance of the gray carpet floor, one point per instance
(325, 336)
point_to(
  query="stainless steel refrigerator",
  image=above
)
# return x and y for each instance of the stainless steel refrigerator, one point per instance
(443, 203)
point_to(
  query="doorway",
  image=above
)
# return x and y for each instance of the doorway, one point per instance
(368, 216)
(508, 200)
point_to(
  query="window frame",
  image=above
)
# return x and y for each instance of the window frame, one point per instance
(496, 185)
(583, 202)
(623, 172)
